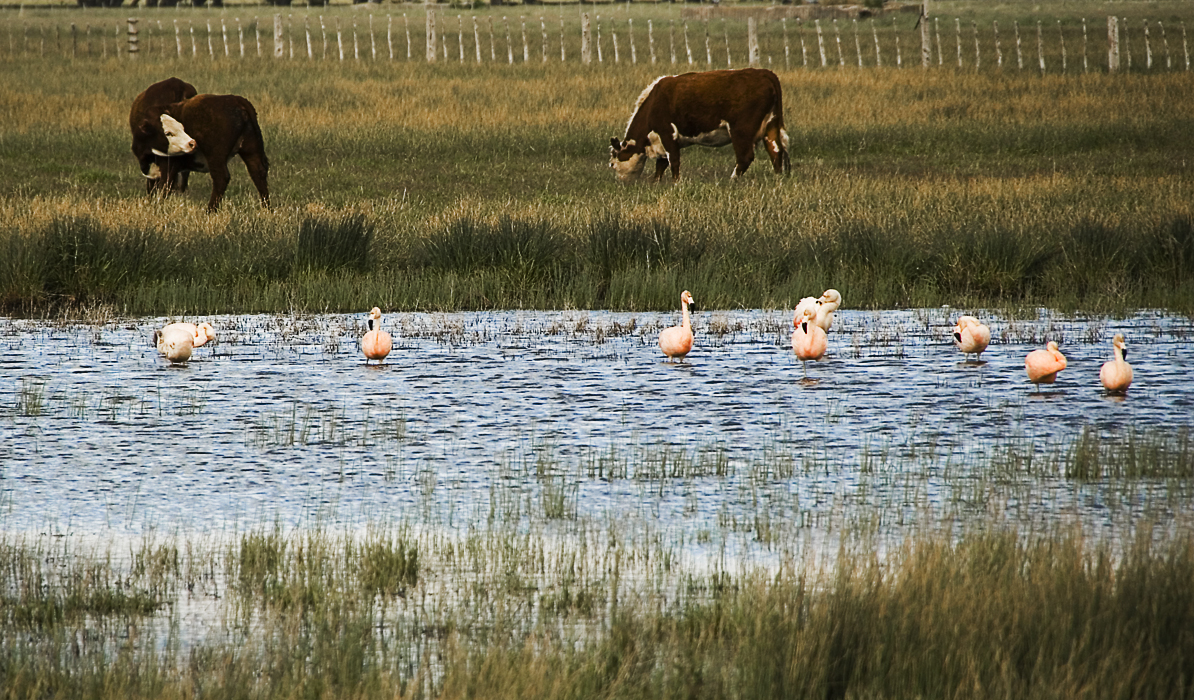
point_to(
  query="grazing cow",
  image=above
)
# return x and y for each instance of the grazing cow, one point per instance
(712, 109)
(223, 126)
(155, 134)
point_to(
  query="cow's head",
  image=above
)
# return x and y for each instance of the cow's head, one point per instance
(626, 158)
(154, 135)
(178, 140)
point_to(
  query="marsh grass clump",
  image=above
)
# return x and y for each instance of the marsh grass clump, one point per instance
(1131, 456)
(331, 243)
(388, 566)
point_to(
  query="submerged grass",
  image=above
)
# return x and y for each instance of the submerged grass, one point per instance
(503, 615)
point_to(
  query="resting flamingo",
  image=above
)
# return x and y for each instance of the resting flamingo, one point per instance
(809, 341)
(1043, 365)
(971, 336)
(175, 343)
(200, 334)
(1116, 375)
(676, 342)
(377, 343)
(827, 303)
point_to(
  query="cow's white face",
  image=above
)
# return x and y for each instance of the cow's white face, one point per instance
(627, 159)
(180, 143)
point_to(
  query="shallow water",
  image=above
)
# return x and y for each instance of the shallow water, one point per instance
(517, 416)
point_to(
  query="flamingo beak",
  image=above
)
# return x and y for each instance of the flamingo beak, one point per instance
(1124, 352)
(804, 326)
(958, 337)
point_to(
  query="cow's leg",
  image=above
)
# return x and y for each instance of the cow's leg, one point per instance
(776, 142)
(219, 181)
(660, 168)
(181, 184)
(744, 149)
(258, 171)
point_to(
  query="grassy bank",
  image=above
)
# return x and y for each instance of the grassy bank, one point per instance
(312, 614)
(462, 186)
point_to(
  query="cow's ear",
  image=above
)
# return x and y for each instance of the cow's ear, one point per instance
(146, 126)
(615, 144)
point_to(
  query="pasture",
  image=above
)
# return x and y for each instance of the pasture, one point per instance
(523, 500)
(462, 186)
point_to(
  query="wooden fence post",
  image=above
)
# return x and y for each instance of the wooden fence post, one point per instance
(1085, 63)
(613, 34)
(650, 40)
(857, 45)
(1061, 35)
(279, 43)
(406, 26)
(510, 46)
(926, 43)
(356, 47)
(878, 55)
(687, 48)
(240, 37)
(820, 42)
(1185, 46)
(477, 39)
(563, 55)
(1112, 44)
(671, 38)
(803, 47)
(630, 36)
(837, 35)
(958, 40)
(134, 39)
(432, 36)
(752, 43)
(211, 50)
(526, 51)
(1148, 49)
(597, 21)
(1019, 54)
(1165, 43)
(543, 29)
(899, 56)
(1040, 47)
(977, 56)
(586, 48)
(373, 43)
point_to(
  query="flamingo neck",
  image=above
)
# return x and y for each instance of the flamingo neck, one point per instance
(1119, 353)
(687, 322)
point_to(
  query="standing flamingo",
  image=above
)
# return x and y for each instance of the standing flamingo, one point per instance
(1043, 365)
(971, 336)
(1116, 375)
(676, 342)
(809, 340)
(377, 343)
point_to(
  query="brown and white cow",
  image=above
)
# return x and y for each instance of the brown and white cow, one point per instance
(156, 134)
(223, 126)
(714, 108)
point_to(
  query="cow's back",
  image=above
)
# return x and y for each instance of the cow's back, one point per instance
(717, 91)
(157, 96)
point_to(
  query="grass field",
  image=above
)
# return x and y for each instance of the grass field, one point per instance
(454, 186)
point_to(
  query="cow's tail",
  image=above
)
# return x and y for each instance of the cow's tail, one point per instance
(778, 122)
(251, 117)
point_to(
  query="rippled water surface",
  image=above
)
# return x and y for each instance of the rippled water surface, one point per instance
(565, 415)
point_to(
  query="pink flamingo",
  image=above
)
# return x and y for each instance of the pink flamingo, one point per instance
(1043, 365)
(177, 340)
(971, 336)
(1116, 375)
(676, 342)
(377, 343)
(809, 340)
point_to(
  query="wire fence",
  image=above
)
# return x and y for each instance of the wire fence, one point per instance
(1076, 46)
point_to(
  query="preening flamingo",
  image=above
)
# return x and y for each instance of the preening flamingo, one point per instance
(1043, 365)
(676, 342)
(971, 336)
(175, 343)
(809, 340)
(1116, 375)
(827, 303)
(200, 334)
(377, 343)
